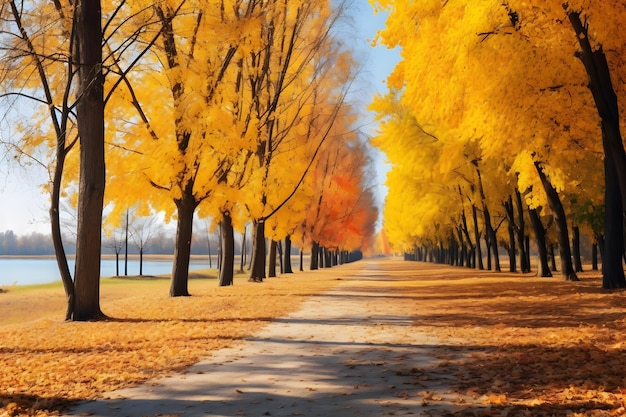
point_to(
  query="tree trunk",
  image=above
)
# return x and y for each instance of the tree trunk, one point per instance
(272, 260)
(227, 244)
(567, 269)
(301, 260)
(117, 263)
(578, 264)
(315, 248)
(279, 253)
(488, 248)
(510, 217)
(141, 261)
(185, 208)
(606, 102)
(524, 257)
(219, 250)
(242, 258)
(494, 244)
(540, 239)
(90, 118)
(552, 257)
(126, 247)
(328, 262)
(478, 255)
(471, 254)
(612, 266)
(594, 256)
(453, 251)
(257, 272)
(55, 225)
(208, 244)
(287, 255)
(490, 234)
(462, 255)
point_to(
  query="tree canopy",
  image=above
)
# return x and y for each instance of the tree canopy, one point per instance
(221, 109)
(497, 85)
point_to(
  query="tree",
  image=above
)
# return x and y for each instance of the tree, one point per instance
(430, 208)
(90, 122)
(79, 41)
(510, 216)
(296, 71)
(540, 239)
(62, 42)
(22, 50)
(518, 94)
(142, 230)
(115, 242)
(605, 99)
(216, 114)
(567, 268)
(183, 125)
(343, 215)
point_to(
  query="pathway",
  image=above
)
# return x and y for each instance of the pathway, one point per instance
(344, 353)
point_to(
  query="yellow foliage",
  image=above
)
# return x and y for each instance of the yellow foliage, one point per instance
(502, 79)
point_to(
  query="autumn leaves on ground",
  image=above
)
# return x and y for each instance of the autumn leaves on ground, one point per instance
(517, 344)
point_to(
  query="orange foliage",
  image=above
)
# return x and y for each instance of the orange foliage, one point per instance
(343, 212)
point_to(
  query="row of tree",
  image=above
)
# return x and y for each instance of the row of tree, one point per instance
(505, 114)
(31, 244)
(235, 109)
(156, 241)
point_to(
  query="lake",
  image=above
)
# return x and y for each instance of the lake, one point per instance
(28, 271)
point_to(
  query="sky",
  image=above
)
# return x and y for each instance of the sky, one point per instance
(24, 208)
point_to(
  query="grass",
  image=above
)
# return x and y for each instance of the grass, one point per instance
(17, 303)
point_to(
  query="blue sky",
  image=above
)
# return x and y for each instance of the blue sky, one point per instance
(23, 208)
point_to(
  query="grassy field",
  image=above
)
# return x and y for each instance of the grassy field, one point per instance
(18, 302)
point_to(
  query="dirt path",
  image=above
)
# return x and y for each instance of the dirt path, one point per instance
(348, 352)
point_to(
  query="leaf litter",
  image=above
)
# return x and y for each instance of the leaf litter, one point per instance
(524, 346)
(517, 345)
(48, 363)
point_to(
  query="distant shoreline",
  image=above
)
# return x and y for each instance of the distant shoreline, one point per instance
(33, 270)
(133, 256)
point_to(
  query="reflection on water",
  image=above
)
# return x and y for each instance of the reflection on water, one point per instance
(28, 271)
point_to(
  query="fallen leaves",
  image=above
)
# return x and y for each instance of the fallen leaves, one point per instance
(557, 350)
(47, 363)
(507, 345)
(430, 396)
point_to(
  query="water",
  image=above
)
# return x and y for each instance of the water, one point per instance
(28, 271)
